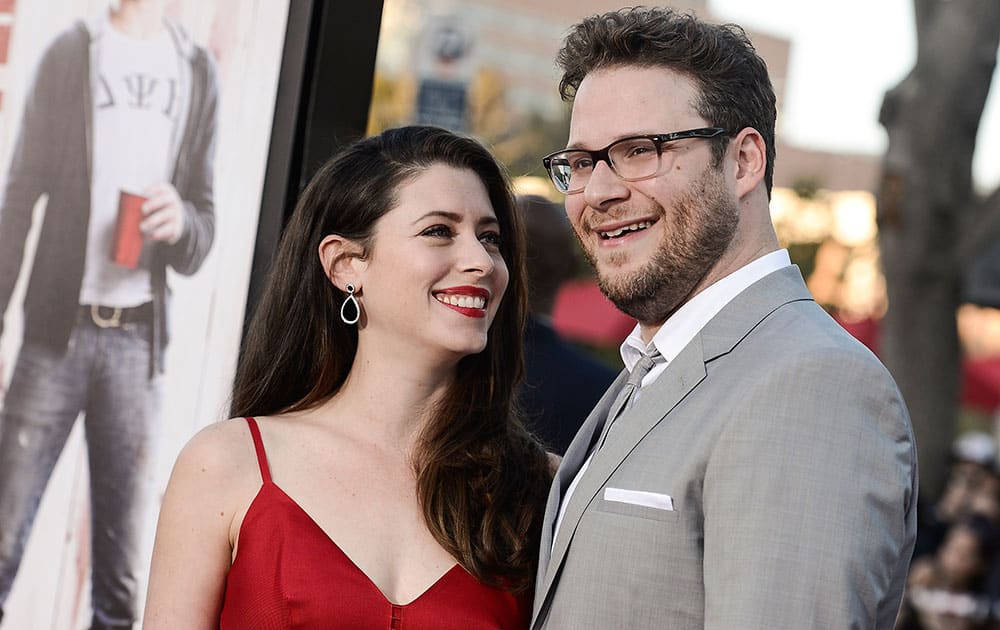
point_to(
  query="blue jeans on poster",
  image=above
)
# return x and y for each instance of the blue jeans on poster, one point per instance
(104, 373)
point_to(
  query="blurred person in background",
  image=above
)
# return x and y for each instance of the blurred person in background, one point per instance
(947, 590)
(562, 383)
(972, 479)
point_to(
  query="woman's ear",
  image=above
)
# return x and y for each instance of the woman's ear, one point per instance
(342, 260)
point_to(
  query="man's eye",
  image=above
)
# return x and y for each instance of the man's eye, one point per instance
(581, 164)
(634, 151)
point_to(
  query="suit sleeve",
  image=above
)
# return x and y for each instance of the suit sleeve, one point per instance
(809, 499)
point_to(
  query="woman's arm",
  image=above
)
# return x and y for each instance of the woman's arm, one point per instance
(208, 489)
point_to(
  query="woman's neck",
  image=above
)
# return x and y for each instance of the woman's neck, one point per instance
(389, 399)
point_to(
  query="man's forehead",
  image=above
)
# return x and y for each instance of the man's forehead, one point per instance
(618, 102)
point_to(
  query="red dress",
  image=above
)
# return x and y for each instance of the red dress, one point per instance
(288, 574)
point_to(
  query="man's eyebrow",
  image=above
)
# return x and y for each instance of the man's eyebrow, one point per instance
(575, 146)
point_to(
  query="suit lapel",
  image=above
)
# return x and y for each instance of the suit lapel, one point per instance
(575, 455)
(680, 377)
(730, 326)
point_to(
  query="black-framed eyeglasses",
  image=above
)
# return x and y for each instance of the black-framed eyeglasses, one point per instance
(632, 158)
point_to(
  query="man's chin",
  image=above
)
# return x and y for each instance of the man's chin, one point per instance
(618, 275)
(620, 292)
(640, 300)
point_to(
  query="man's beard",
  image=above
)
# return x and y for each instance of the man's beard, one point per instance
(697, 231)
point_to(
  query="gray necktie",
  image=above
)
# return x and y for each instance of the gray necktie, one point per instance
(626, 397)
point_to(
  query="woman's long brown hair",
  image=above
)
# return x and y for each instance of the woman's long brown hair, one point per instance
(482, 480)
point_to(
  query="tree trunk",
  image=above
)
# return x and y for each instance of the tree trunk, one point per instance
(930, 222)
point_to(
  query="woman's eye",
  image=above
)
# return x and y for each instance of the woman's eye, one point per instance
(440, 231)
(491, 238)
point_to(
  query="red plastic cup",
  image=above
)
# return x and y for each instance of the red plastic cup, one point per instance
(128, 237)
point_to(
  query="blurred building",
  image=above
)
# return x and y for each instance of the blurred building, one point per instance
(519, 40)
(514, 42)
(827, 170)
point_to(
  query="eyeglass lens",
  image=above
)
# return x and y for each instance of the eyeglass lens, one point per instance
(632, 158)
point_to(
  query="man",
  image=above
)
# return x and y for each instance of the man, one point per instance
(561, 382)
(762, 473)
(122, 103)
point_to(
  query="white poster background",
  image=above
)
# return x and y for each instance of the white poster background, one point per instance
(52, 588)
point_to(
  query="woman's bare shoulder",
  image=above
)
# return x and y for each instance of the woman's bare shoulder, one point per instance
(214, 478)
(218, 439)
(220, 453)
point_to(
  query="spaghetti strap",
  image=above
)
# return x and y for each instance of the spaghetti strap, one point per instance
(258, 445)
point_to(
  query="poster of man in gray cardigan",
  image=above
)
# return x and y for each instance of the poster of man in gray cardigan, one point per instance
(109, 199)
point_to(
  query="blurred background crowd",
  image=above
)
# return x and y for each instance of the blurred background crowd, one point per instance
(954, 580)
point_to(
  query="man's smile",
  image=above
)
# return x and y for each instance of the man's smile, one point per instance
(619, 231)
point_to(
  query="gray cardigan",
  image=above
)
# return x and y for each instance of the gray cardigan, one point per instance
(52, 157)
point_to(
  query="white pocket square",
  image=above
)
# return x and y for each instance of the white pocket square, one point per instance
(639, 497)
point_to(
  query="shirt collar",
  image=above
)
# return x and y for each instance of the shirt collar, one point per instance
(691, 317)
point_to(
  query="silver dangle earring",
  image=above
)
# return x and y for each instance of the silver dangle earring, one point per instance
(350, 310)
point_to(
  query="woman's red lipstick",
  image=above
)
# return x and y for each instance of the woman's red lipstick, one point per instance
(470, 305)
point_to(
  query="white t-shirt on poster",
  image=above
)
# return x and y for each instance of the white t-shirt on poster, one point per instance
(136, 114)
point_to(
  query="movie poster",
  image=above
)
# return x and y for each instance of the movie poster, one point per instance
(133, 143)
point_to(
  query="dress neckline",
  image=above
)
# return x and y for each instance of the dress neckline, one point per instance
(454, 572)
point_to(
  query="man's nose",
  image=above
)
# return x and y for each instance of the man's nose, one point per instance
(603, 186)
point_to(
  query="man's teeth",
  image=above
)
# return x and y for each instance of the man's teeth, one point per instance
(635, 227)
(464, 301)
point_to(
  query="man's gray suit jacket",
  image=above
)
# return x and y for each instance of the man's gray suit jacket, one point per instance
(787, 453)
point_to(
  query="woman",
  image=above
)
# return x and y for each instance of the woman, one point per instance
(384, 480)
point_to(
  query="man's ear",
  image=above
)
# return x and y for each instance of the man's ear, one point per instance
(751, 160)
(342, 260)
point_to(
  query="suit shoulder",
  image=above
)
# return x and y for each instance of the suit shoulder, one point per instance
(807, 371)
(802, 332)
